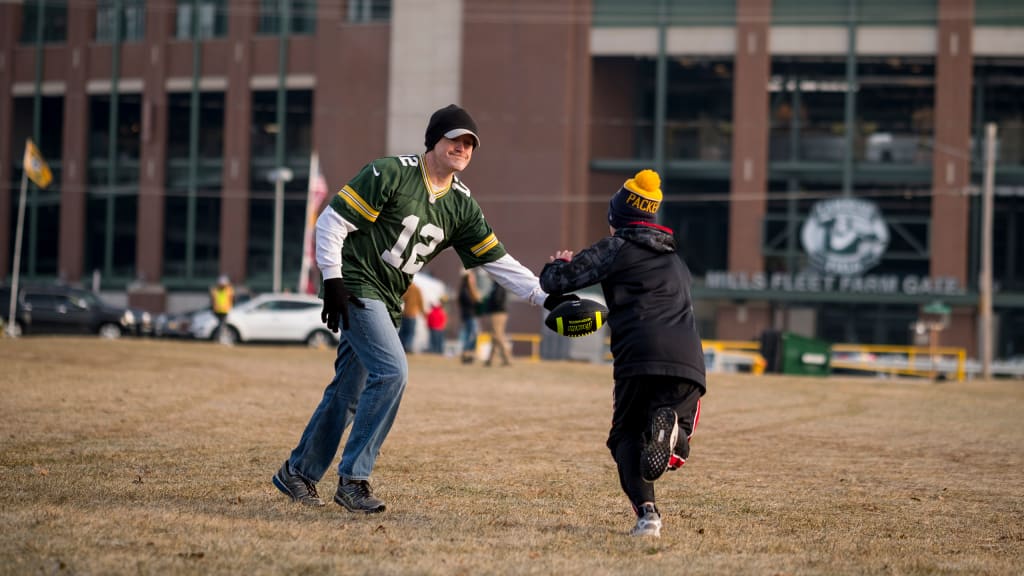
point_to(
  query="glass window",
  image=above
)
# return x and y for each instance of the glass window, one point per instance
(212, 15)
(621, 127)
(789, 202)
(369, 10)
(677, 13)
(895, 111)
(113, 187)
(298, 130)
(193, 207)
(998, 13)
(868, 12)
(285, 306)
(701, 227)
(298, 142)
(907, 210)
(134, 20)
(54, 14)
(41, 232)
(125, 16)
(41, 301)
(106, 20)
(1011, 339)
(807, 114)
(867, 323)
(301, 13)
(1000, 88)
(128, 127)
(211, 125)
(810, 12)
(698, 109)
(1008, 242)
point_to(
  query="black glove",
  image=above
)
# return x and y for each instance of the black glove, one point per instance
(336, 300)
(553, 300)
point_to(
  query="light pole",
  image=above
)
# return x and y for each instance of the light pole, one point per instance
(279, 176)
(985, 279)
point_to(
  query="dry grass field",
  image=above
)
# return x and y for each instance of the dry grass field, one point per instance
(155, 457)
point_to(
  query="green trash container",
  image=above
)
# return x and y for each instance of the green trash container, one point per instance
(804, 356)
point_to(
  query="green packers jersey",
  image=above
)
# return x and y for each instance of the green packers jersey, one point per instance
(402, 225)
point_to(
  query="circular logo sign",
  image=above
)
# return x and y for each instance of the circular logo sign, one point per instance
(845, 236)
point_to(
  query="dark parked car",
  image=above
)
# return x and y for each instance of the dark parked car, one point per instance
(58, 309)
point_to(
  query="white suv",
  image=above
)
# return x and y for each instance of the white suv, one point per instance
(284, 318)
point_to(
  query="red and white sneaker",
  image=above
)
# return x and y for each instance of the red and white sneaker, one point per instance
(675, 462)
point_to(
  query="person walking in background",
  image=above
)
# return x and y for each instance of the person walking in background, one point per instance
(222, 300)
(437, 321)
(469, 298)
(658, 364)
(386, 224)
(412, 309)
(496, 307)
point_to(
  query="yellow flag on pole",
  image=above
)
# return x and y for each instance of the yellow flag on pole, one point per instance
(35, 166)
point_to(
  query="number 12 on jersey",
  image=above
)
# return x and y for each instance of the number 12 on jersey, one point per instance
(418, 256)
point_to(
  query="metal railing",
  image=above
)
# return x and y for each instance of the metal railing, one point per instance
(484, 340)
(921, 361)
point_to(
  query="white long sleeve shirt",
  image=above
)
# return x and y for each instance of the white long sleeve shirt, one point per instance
(332, 229)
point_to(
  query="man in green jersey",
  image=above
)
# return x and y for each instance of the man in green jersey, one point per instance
(391, 219)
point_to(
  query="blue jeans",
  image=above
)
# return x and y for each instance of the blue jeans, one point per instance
(407, 333)
(437, 341)
(370, 374)
(468, 335)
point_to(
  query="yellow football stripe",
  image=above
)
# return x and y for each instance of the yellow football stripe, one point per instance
(600, 320)
(352, 198)
(483, 247)
(558, 324)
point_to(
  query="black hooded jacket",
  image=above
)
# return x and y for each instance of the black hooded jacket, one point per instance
(647, 290)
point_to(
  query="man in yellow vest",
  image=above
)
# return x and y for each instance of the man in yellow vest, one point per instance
(222, 298)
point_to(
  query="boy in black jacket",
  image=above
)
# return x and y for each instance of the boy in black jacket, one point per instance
(659, 362)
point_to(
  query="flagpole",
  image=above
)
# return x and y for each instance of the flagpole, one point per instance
(11, 320)
(314, 169)
(309, 281)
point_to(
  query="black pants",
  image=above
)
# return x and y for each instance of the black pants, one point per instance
(635, 401)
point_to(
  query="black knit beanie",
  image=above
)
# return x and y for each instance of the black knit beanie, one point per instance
(450, 122)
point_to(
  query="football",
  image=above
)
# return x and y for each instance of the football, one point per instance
(577, 318)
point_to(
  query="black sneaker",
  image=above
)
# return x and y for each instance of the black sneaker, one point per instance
(296, 487)
(656, 454)
(357, 496)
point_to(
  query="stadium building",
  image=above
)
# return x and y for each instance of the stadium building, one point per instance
(822, 159)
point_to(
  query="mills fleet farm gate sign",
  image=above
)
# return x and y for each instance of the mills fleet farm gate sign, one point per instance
(843, 239)
(812, 282)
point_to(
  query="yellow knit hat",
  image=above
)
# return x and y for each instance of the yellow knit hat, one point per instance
(637, 201)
